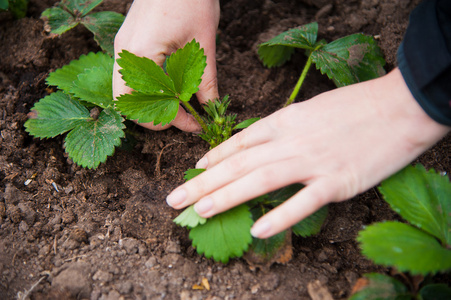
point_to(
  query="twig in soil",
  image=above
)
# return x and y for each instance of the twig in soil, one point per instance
(54, 245)
(26, 293)
(158, 164)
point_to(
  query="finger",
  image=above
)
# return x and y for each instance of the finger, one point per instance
(208, 88)
(254, 184)
(256, 134)
(186, 122)
(304, 203)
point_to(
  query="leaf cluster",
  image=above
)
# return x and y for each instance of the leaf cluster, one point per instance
(422, 246)
(69, 13)
(92, 135)
(347, 60)
(227, 234)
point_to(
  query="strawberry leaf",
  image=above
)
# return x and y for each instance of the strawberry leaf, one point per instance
(95, 86)
(157, 108)
(104, 25)
(382, 287)
(79, 7)
(189, 218)
(91, 142)
(422, 198)
(279, 49)
(435, 291)
(312, 224)
(64, 77)
(191, 173)
(405, 247)
(349, 60)
(185, 67)
(56, 114)
(144, 75)
(225, 235)
(59, 20)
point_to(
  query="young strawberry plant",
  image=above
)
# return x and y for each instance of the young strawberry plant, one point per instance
(156, 98)
(69, 13)
(83, 106)
(421, 246)
(345, 61)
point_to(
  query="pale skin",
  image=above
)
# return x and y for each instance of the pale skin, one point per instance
(338, 144)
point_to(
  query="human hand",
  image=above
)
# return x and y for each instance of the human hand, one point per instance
(338, 144)
(155, 29)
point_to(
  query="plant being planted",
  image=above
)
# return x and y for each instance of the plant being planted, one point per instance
(69, 13)
(156, 98)
(345, 61)
(421, 247)
(83, 106)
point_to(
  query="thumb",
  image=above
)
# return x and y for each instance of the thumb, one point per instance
(208, 88)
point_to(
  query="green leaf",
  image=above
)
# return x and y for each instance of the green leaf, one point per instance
(59, 20)
(189, 218)
(95, 86)
(18, 8)
(246, 123)
(144, 75)
(64, 77)
(191, 173)
(225, 235)
(185, 67)
(422, 198)
(56, 114)
(79, 7)
(435, 292)
(382, 287)
(158, 108)
(4, 4)
(312, 224)
(279, 49)
(104, 25)
(349, 60)
(404, 247)
(91, 142)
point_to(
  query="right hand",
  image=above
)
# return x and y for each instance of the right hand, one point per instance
(157, 28)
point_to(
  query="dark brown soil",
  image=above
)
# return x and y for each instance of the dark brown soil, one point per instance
(108, 233)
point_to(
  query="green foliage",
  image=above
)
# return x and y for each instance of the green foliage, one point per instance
(69, 13)
(348, 60)
(157, 95)
(18, 8)
(382, 287)
(421, 246)
(92, 135)
(225, 235)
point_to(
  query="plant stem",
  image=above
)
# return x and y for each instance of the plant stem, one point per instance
(195, 115)
(300, 81)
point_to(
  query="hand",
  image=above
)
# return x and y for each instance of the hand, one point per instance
(337, 144)
(155, 29)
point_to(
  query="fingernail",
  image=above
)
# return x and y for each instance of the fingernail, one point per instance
(202, 163)
(176, 197)
(203, 206)
(260, 228)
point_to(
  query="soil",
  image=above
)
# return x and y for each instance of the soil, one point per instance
(75, 233)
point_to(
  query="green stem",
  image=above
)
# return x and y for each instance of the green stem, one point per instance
(300, 81)
(195, 115)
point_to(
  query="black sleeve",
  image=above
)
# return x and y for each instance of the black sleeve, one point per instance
(424, 58)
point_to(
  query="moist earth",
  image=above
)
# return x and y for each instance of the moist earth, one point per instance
(74, 233)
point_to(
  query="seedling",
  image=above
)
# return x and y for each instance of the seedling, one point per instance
(83, 106)
(422, 246)
(156, 98)
(18, 8)
(69, 13)
(345, 61)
